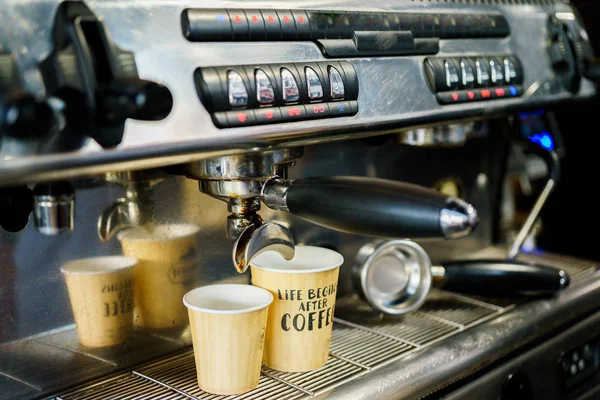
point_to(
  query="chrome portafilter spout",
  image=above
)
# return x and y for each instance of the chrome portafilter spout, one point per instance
(238, 180)
(135, 208)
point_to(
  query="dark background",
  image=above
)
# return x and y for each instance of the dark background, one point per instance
(571, 219)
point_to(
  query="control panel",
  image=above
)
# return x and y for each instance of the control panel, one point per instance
(343, 34)
(195, 77)
(464, 79)
(261, 94)
(578, 364)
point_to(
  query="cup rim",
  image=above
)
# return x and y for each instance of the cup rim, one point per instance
(220, 289)
(295, 266)
(106, 264)
(187, 230)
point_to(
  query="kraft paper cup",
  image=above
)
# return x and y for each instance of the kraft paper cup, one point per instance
(301, 316)
(168, 260)
(101, 294)
(228, 331)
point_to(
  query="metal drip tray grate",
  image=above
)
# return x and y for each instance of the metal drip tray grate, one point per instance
(361, 342)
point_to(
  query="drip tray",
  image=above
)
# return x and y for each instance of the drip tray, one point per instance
(362, 341)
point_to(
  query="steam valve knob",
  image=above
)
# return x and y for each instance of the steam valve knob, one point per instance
(26, 117)
(133, 98)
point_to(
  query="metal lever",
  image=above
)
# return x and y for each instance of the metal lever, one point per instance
(553, 163)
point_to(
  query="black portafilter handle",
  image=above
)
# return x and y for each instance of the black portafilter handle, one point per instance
(499, 278)
(372, 207)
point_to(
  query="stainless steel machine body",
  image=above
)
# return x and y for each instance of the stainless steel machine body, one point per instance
(400, 132)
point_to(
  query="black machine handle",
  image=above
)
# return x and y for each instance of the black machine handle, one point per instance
(372, 207)
(501, 277)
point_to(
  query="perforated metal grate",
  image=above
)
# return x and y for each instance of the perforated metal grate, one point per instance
(362, 341)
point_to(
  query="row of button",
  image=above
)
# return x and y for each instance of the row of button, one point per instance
(274, 24)
(464, 72)
(463, 96)
(299, 112)
(228, 88)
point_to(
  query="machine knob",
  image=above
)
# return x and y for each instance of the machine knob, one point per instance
(517, 387)
(98, 81)
(26, 117)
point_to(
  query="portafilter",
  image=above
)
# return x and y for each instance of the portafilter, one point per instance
(395, 276)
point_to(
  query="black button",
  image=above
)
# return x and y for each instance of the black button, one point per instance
(202, 25)
(212, 91)
(499, 26)
(473, 95)
(220, 119)
(340, 108)
(293, 113)
(448, 24)
(407, 22)
(318, 24)
(431, 25)
(288, 26)
(351, 82)
(272, 24)
(256, 25)
(302, 24)
(460, 26)
(240, 118)
(499, 92)
(452, 97)
(239, 24)
(354, 106)
(418, 29)
(267, 115)
(317, 110)
(393, 21)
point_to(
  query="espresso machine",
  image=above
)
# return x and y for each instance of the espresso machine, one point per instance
(269, 126)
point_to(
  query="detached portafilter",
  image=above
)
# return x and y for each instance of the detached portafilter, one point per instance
(356, 205)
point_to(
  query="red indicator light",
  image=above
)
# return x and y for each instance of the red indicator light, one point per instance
(271, 19)
(269, 114)
(471, 95)
(500, 92)
(242, 117)
(318, 109)
(237, 19)
(301, 19)
(455, 96)
(485, 94)
(254, 18)
(294, 112)
(286, 19)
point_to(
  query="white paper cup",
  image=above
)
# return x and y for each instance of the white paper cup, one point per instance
(301, 316)
(228, 330)
(101, 294)
(168, 264)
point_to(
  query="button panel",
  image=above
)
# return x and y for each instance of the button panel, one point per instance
(261, 94)
(201, 24)
(465, 79)
(578, 364)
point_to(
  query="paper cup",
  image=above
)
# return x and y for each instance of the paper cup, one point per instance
(228, 331)
(101, 294)
(301, 316)
(168, 261)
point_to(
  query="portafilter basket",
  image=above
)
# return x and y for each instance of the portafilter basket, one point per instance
(393, 276)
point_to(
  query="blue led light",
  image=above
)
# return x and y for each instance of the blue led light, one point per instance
(514, 91)
(220, 17)
(544, 139)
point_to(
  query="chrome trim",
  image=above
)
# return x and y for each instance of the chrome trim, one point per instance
(274, 194)
(336, 84)
(289, 86)
(458, 218)
(264, 88)
(313, 84)
(236, 90)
